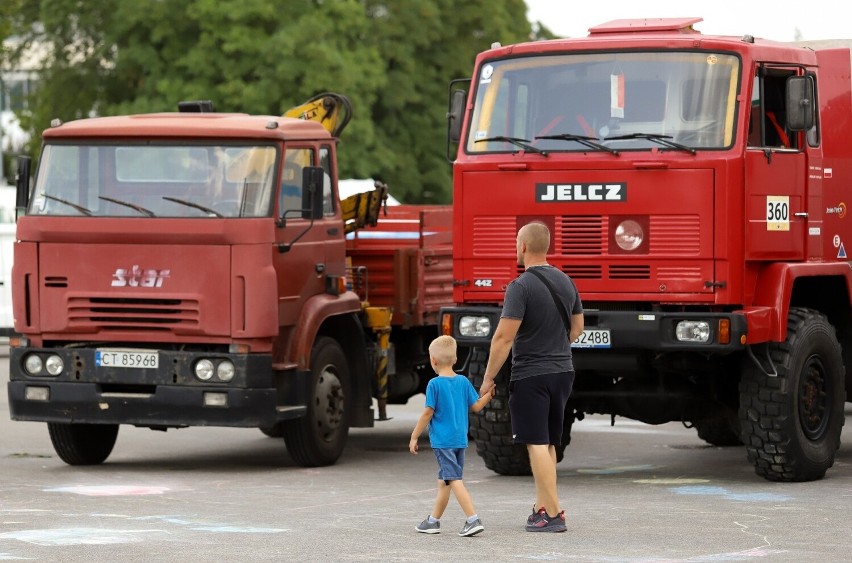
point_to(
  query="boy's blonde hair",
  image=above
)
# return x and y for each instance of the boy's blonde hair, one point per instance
(443, 350)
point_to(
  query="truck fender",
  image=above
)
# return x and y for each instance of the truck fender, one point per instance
(767, 318)
(314, 313)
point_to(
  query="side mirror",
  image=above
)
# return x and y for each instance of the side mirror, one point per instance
(22, 181)
(455, 115)
(800, 103)
(312, 201)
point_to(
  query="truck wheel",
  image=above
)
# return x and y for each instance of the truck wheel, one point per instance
(318, 438)
(82, 444)
(791, 423)
(720, 431)
(492, 431)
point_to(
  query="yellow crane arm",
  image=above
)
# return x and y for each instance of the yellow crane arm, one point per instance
(361, 210)
(332, 111)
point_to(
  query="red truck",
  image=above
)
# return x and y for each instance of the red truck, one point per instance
(197, 269)
(695, 187)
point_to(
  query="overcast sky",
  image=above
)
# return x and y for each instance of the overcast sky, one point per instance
(781, 20)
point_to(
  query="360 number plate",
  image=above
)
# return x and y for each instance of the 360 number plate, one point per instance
(116, 358)
(593, 339)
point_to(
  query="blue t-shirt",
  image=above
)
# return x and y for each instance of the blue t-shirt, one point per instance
(450, 397)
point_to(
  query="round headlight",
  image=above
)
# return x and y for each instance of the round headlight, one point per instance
(204, 370)
(629, 235)
(33, 364)
(225, 370)
(54, 365)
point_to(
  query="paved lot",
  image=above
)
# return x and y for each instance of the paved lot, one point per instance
(633, 493)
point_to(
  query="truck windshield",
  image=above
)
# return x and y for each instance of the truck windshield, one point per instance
(620, 100)
(152, 180)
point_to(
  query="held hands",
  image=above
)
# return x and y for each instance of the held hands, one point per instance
(488, 386)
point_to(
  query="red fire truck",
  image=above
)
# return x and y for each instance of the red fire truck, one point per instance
(197, 269)
(696, 189)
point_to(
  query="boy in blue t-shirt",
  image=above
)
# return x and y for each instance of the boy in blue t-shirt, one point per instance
(449, 398)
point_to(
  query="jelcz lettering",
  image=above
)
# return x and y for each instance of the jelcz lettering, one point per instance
(549, 193)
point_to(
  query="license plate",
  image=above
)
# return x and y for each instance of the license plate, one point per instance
(593, 339)
(116, 358)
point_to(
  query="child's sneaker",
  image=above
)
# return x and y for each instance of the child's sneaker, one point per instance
(535, 514)
(544, 523)
(427, 527)
(472, 528)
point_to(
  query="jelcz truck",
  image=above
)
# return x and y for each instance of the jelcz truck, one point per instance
(697, 190)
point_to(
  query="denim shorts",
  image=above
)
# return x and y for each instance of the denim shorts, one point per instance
(450, 463)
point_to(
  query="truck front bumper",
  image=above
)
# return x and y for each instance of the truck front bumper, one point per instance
(628, 330)
(167, 396)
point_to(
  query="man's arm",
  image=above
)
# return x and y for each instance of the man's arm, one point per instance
(577, 325)
(501, 345)
(419, 428)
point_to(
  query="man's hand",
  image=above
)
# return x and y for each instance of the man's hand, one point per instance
(412, 446)
(488, 386)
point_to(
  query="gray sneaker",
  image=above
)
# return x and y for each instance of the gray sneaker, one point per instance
(427, 527)
(472, 528)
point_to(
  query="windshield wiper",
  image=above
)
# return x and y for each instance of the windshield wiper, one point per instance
(79, 208)
(584, 140)
(132, 206)
(517, 141)
(193, 205)
(664, 140)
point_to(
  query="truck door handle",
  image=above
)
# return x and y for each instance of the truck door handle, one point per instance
(801, 214)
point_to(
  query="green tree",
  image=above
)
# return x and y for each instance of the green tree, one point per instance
(393, 58)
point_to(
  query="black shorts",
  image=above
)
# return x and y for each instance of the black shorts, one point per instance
(537, 406)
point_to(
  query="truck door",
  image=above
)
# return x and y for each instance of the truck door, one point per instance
(302, 268)
(775, 173)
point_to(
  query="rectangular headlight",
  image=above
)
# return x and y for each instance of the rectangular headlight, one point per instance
(32, 393)
(474, 326)
(693, 331)
(215, 399)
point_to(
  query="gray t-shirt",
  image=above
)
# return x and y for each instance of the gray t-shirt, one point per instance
(541, 345)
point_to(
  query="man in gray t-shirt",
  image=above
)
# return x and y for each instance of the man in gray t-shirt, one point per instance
(531, 327)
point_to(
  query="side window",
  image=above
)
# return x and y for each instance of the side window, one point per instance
(290, 198)
(767, 125)
(328, 179)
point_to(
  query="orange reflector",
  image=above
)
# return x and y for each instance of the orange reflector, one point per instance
(724, 331)
(341, 285)
(447, 324)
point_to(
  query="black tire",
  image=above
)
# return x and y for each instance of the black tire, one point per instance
(491, 428)
(319, 437)
(722, 431)
(791, 423)
(82, 444)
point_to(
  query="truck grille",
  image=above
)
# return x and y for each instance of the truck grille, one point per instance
(121, 313)
(586, 236)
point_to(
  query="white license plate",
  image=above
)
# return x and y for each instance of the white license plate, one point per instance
(593, 339)
(116, 358)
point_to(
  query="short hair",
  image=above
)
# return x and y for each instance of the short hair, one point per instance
(537, 237)
(443, 349)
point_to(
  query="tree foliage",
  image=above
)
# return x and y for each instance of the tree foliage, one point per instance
(393, 58)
